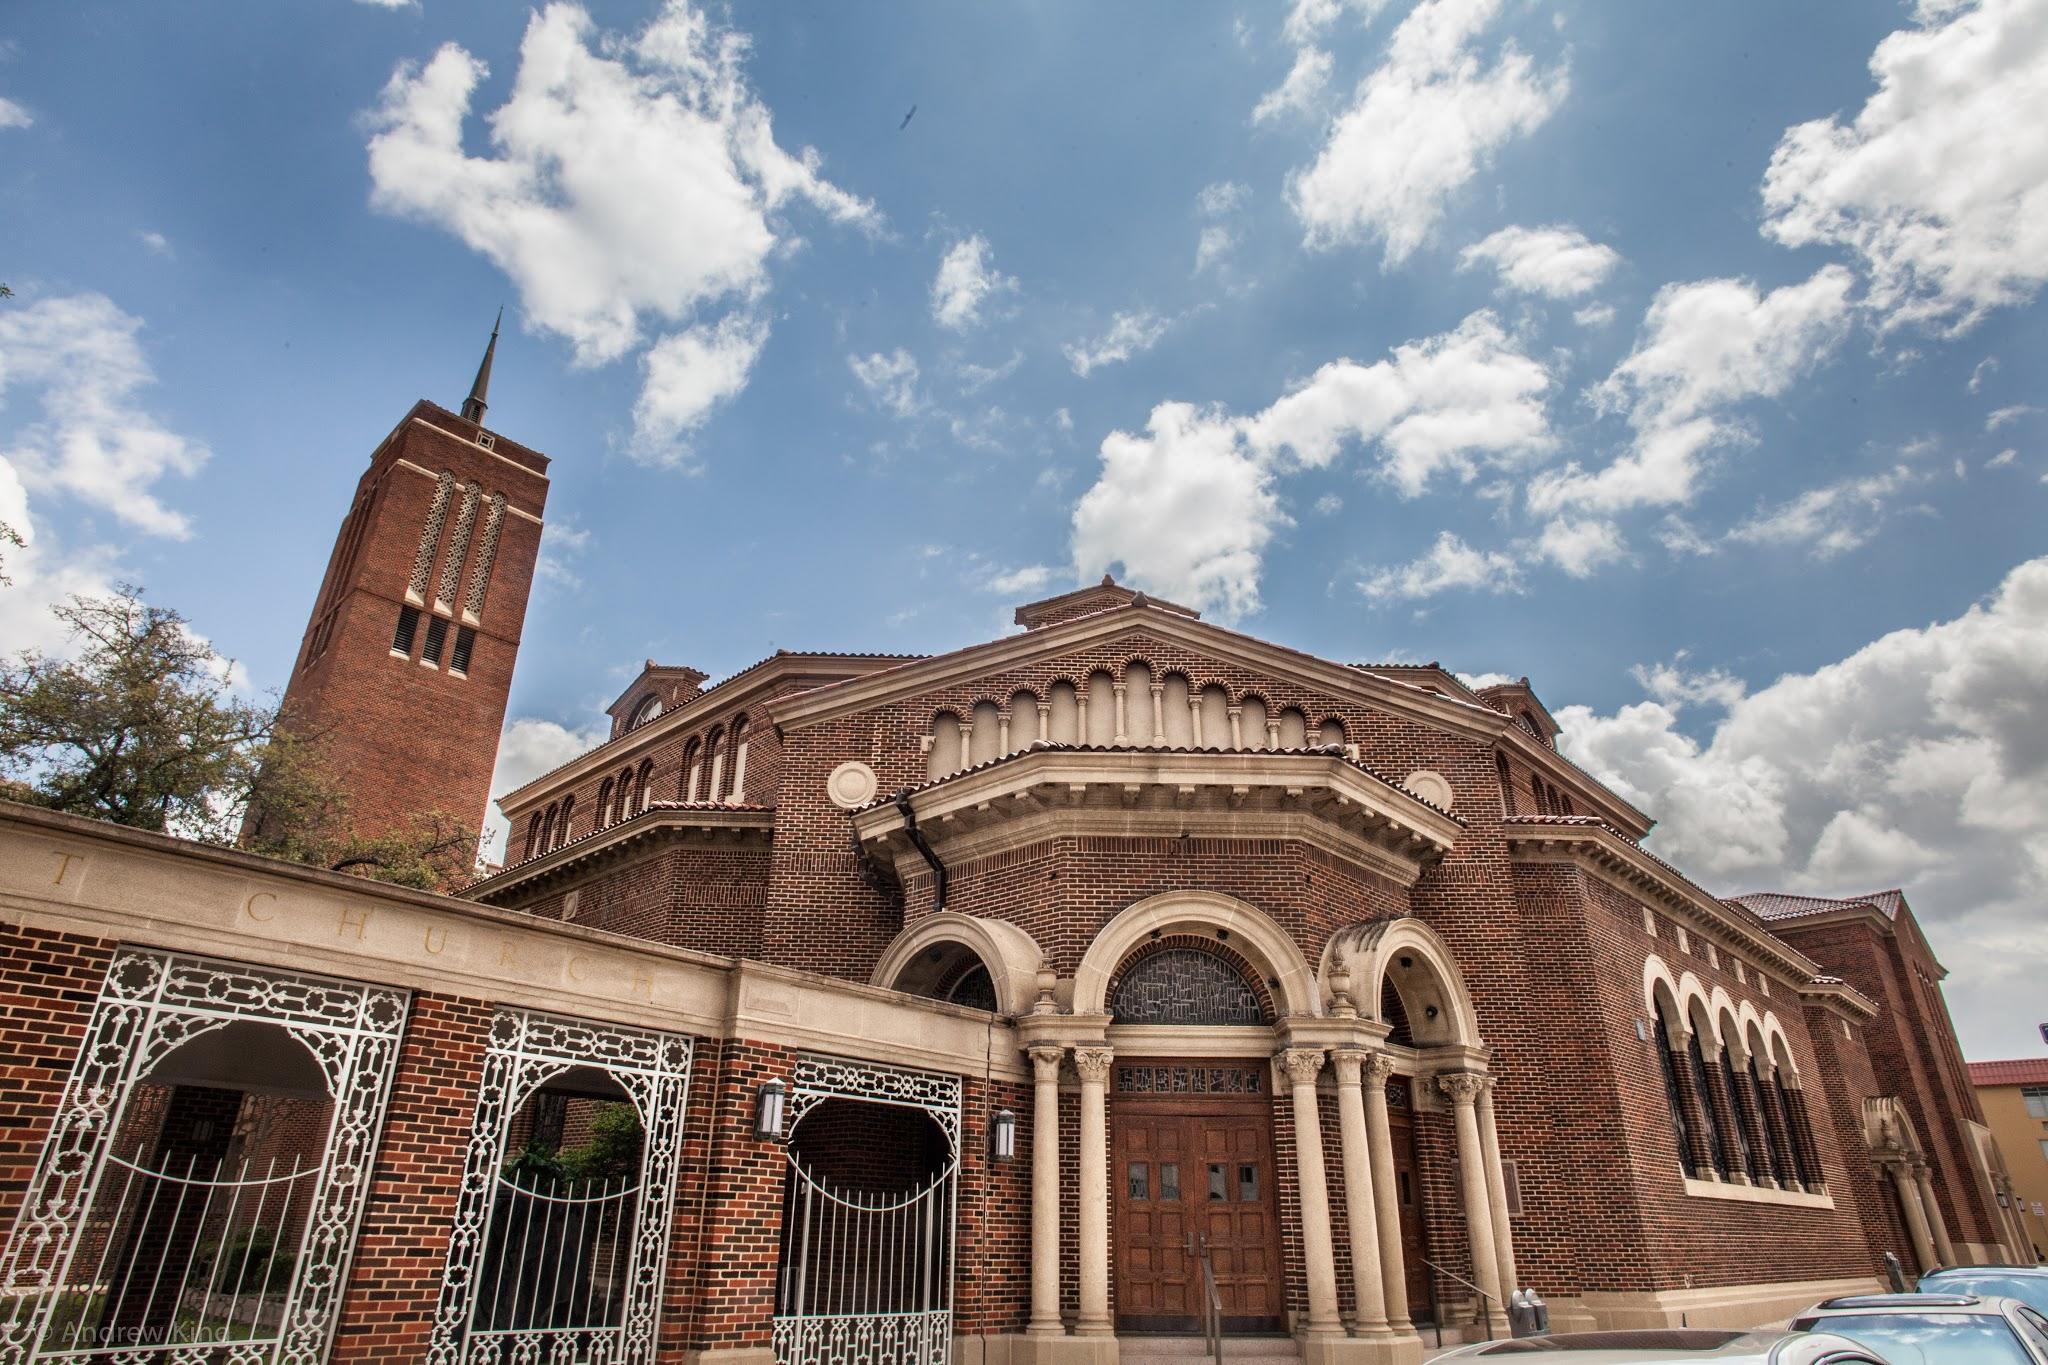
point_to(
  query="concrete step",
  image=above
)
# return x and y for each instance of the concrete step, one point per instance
(1148, 1350)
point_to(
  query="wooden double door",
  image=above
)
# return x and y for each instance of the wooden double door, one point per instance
(1189, 1178)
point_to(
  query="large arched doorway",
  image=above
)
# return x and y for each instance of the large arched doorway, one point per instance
(1193, 1179)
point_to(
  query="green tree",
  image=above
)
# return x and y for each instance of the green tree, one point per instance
(142, 727)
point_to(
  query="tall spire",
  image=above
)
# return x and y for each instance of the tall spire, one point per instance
(474, 405)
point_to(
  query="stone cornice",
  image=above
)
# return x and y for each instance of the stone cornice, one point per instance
(662, 822)
(1040, 794)
(1841, 997)
(731, 694)
(1468, 719)
(1606, 855)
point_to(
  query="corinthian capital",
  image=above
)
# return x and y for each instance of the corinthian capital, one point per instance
(1302, 1064)
(1349, 1063)
(1462, 1086)
(1045, 1062)
(1092, 1063)
(1379, 1068)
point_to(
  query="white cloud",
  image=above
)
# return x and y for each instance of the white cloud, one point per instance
(630, 179)
(1594, 315)
(975, 377)
(389, 4)
(1556, 262)
(1329, 505)
(1063, 419)
(1420, 126)
(1704, 347)
(1450, 563)
(156, 244)
(1447, 404)
(1676, 685)
(1189, 507)
(1940, 182)
(1298, 93)
(1221, 198)
(1921, 758)
(1986, 367)
(2004, 416)
(687, 375)
(1030, 578)
(1677, 535)
(1129, 334)
(561, 543)
(1214, 245)
(12, 115)
(1830, 520)
(80, 357)
(1309, 18)
(528, 748)
(2002, 459)
(966, 280)
(890, 380)
(1580, 547)
(1184, 508)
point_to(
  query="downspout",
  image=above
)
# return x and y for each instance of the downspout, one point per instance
(917, 841)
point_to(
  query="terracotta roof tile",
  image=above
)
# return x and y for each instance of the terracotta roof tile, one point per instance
(2018, 1071)
(1771, 906)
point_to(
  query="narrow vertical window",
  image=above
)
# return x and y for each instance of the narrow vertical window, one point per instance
(437, 637)
(465, 641)
(1681, 1128)
(408, 626)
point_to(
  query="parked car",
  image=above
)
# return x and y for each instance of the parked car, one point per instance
(2027, 1283)
(1936, 1329)
(1676, 1346)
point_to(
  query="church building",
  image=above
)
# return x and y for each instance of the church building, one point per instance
(1058, 998)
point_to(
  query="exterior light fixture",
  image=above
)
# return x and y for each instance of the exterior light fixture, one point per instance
(768, 1110)
(1642, 1030)
(1002, 1135)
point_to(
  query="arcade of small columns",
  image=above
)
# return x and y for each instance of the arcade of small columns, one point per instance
(1378, 1280)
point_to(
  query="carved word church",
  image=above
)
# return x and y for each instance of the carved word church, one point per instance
(1122, 978)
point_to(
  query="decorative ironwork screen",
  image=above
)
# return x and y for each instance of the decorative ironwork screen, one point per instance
(191, 1259)
(867, 1276)
(1184, 986)
(534, 1267)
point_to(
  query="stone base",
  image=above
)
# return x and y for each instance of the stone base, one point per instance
(1379, 1350)
(731, 1355)
(1034, 1350)
(1729, 1306)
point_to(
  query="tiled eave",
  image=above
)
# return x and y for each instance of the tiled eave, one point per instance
(1838, 995)
(1051, 792)
(1593, 846)
(662, 822)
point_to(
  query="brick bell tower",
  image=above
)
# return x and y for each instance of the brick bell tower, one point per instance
(407, 660)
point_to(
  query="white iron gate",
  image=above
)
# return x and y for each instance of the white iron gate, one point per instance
(122, 1255)
(553, 1272)
(866, 1277)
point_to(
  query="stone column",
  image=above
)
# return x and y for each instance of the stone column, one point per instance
(1496, 1190)
(1923, 1176)
(1092, 1230)
(1379, 1139)
(1318, 1252)
(1195, 718)
(1123, 732)
(1236, 727)
(1916, 1217)
(1463, 1089)
(1361, 1219)
(1045, 1193)
(1159, 713)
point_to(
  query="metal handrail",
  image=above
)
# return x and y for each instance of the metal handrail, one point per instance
(1484, 1316)
(1213, 1311)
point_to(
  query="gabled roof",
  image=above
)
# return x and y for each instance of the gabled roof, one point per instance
(1518, 698)
(1776, 906)
(2018, 1071)
(1102, 596)
(676, 681)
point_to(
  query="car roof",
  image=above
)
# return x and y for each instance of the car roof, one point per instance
(1990, 1268)
(1902, 1303)
(1643, 1346)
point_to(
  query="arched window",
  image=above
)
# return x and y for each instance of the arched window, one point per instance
(1794, 1111)
(714, 750)
(644, 783)
(1331, 733)
(1507, 784)
(1774, 1125)
(691, 773)
(626, 793)
(1667, 1061)
(604, 805)
(647, 710)
(1184, 986)
(568, 818)
(738, 791)
(532, 834)
(944, 756)
(547, 829)
(1740, 1137)
(1704, 1085)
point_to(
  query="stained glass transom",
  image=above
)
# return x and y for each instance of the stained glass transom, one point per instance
(1188, 1080)
(1185, 986)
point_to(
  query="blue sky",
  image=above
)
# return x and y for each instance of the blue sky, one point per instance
(1637, 349)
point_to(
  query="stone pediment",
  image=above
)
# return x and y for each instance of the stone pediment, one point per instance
(1315, 796)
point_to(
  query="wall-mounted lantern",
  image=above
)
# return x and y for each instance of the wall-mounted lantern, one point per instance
(768, 1110)
(1002, 1134)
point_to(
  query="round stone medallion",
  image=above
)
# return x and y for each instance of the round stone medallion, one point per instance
(852, 785)
(1430, 786)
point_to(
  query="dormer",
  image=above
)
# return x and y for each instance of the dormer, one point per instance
(1103, 596)
(1518, 701)
(659, 688)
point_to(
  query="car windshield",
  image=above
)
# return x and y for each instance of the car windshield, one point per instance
(1932, 1338)
(2031, 1290)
